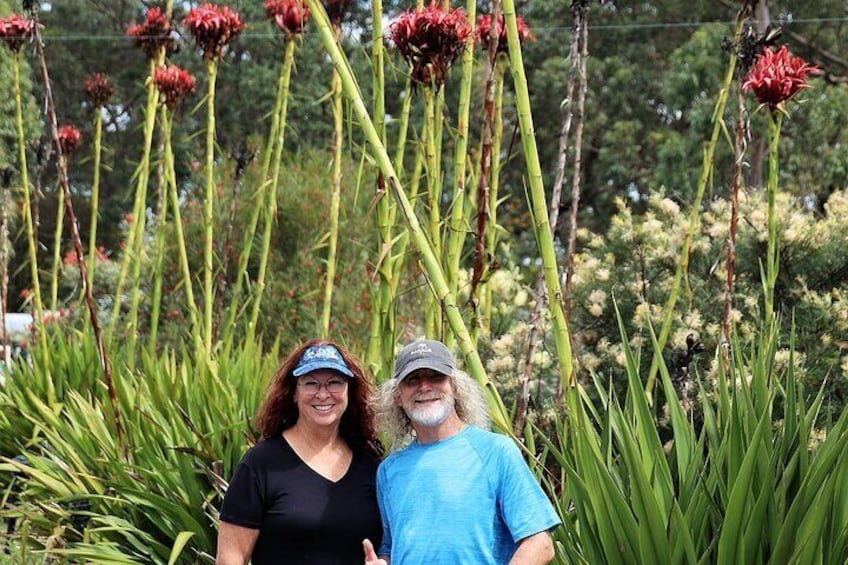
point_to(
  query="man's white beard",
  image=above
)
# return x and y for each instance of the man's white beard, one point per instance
(431, 416)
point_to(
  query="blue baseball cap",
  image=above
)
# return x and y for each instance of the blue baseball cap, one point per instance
(321, 357)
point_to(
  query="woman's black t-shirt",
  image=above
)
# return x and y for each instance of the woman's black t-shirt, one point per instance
(303, 517)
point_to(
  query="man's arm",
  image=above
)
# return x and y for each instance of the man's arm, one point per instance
(537, 549)
(235, 544)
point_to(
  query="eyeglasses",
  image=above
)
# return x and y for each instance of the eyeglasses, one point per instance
(313, 387)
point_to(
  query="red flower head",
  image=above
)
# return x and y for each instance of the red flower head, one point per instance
(16, 29)
(777, 76)
(288, 15)
(174, 83)
(213, 28)
(154, 33)
(336, 10)
(69, 138)
(98, 89)
(430, 40)
(484, 28)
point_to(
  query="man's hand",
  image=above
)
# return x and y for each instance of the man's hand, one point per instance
(371, 555)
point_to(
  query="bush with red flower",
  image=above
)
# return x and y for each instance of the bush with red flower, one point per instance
(213, 28)
(289, 16)
(174, 83)
(69, 138)
(154, 33)
(98, 89)
(430, 40)
(777, 76)
(484, 28)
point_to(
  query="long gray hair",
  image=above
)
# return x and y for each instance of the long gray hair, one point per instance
(395, 425)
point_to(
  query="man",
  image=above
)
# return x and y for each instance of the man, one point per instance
(457, 494)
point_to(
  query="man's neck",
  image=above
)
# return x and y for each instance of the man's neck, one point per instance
(447, 429)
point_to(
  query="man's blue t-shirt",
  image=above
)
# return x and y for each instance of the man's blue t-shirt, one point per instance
(467, 499)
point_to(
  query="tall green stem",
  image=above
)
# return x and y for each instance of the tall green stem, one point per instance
(38, 318)
(162, 225)
(136, 231)
(772, 259)
(209, 207)
(57, 249)
(695, 215)
(434, 191)
(270, 210)
(457, 224)
(5, 210)
(544, 234)
(95, 194)
(171, 187)
(335, 203)
(381, 339)
(431, 264)
(259, 198)
(486, 295)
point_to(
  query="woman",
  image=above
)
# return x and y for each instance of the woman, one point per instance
(306, 492)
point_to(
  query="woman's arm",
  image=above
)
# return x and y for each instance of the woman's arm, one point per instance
(235, 544)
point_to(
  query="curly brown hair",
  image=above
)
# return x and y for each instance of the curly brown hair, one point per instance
(279, 410)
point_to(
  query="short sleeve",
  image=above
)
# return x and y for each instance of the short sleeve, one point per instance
(525, 507)
(243, 502)
(386, 545)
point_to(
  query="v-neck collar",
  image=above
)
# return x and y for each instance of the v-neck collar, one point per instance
(314, 471)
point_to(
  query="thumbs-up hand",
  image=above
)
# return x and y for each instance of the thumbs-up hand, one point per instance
(371, 555)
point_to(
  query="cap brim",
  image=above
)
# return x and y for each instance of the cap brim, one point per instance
(310, 367)
(433, 364)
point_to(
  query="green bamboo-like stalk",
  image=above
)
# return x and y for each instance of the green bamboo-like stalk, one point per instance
(381, 339)
(171, 187)
(474, 364)
(772, 266)
(38, 305)
(136, 230)
(259, 196)
(458, 222)
(162, 225)
(434, 192)
(209, 207)
(694, 218)
(403, 242)
(335, 202)
(544, 235)
(5, 210)
(95, 194)
(270, 209)
(57, 249)
(381, 346)
(486, 296)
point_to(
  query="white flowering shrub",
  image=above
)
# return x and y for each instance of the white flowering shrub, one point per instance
(634, 266)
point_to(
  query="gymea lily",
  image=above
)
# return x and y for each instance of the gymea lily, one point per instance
(213, 28)
(174, 85)
(428, 258)
(430, 40)
(98, 89)
(69, 138)
(776, 77)
(154, 37)
(294, 15)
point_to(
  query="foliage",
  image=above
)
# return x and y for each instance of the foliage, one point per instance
(189, 426)
(757, 482)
